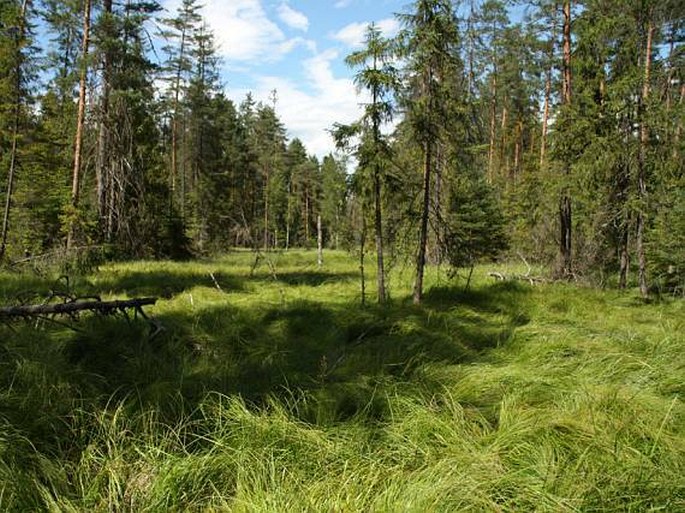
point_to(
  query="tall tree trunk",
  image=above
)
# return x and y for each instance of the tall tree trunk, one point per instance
(471, 50)
(624, 230)
(493, 127)
(548, 95)
(624, 256)
(80, 119)
(174, 120)
(183, 170)
(266, 209)
(378, 213)
(337, 230)
(545, 117)
(378, 229)
(503, 140)
(102, 169)
(306, 215)
(19, 37)
(642, 163)
(319, 241)
(423, 233)
(436, 206)
(362, 249)
(518, 148)
(565, 207)
(288, 214)
(493, 106)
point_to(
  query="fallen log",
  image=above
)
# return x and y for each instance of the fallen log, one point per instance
(518, 277)
(72, 307)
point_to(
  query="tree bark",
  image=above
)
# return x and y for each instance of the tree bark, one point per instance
(378, 212)
(266, 208)
(518, 148)
(103, 307)
(423, 231)
(362, 249)
(306, 215)
(102, 168)
(319, 241)
(378, 229)
(80, 119)
(288, 214)
(624, 257)
(565, 205)
(624, 229)
(642, 163)
(503, 139)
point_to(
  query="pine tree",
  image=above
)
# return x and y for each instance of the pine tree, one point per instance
(181, 33)
(127, 193)
(73, 215)
(269, 147)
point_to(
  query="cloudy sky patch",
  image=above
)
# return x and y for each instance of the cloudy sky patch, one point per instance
(296, 47)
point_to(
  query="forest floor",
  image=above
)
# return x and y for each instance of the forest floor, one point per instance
(270, 388)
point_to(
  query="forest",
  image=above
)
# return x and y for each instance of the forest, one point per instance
(557, 137)
(474, 303)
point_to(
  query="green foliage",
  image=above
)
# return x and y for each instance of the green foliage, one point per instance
(475, 228)
(173, 242)
(667, 243)
(334, 199)
(429, 41)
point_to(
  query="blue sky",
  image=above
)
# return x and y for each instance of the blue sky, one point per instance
(296, 47)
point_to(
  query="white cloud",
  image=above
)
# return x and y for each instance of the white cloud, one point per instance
(242, 30)
(312, 97)
(294, 19)
(389, 27)
(353, 34)
(341, 4)
(307, 114)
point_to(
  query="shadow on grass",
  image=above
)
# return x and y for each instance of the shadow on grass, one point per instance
(337, 355)
(166, 284)
(21, 288)
(310, 278)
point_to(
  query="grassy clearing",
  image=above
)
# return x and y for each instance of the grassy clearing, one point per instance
(276, 391)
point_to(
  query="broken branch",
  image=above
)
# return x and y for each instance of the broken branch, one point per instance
(102, 307)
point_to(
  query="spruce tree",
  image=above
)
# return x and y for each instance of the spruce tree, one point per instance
(429, 42)
(376, 76)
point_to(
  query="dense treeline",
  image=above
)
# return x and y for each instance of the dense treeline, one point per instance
(102, 145)
(558, 136)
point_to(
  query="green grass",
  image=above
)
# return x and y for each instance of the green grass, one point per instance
(276, 391)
